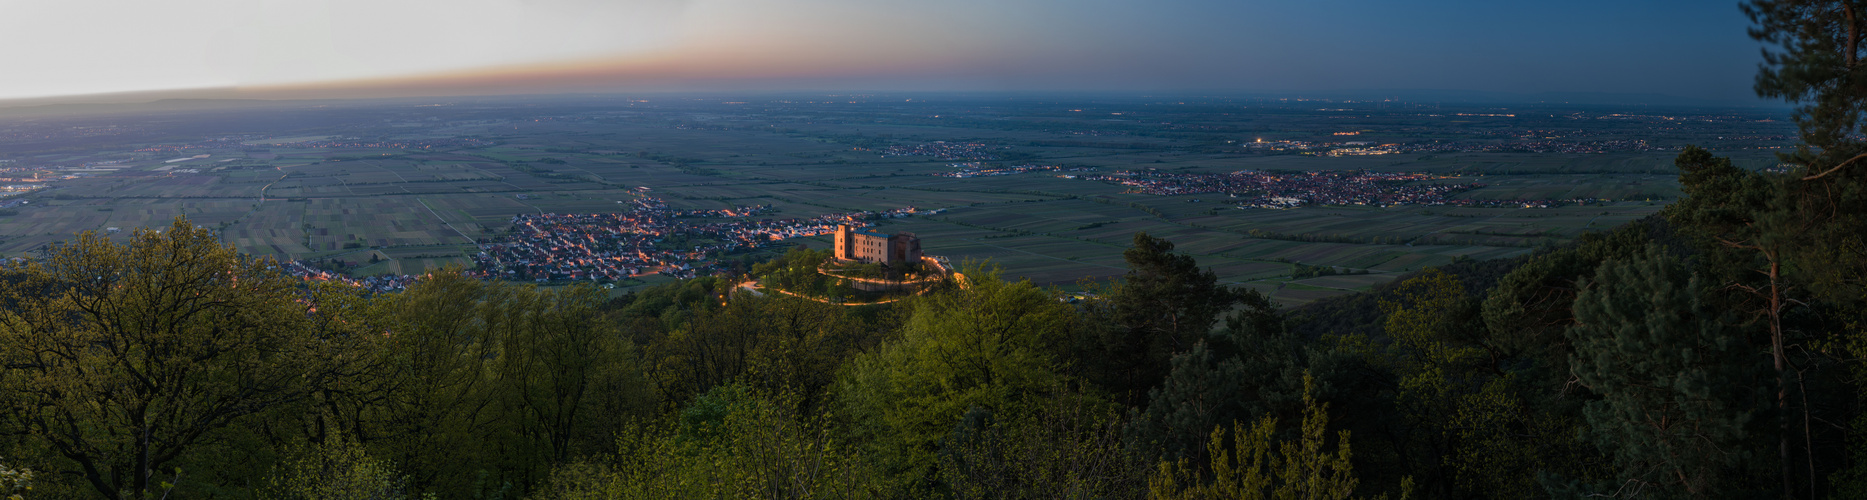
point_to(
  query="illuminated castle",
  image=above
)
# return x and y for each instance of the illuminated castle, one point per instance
(862, 245)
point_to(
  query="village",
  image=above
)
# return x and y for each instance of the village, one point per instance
(650, 239)
(375, 284)
(1260, 189)
(980, 169)
(1514, 142)
(944, 150)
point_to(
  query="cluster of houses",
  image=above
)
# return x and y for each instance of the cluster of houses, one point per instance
(377, 284)
(1547, 145)
(650, 239)
(1289, 189)
(944, 150)
(977, 169)
(13, 189)
(1511, 144)
(1259, 189)
(357, 143)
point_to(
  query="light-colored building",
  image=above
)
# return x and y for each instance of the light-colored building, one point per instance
(862, 245)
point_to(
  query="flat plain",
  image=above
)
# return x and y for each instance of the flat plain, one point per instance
(400, 187)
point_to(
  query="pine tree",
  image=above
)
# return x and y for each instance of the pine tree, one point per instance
(1163, 306)
(1679, 386)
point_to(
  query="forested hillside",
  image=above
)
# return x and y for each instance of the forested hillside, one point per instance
(1636, 361)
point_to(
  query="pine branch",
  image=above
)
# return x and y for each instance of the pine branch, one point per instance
(1836, 167)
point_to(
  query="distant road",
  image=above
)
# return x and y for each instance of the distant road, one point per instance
(437, 215)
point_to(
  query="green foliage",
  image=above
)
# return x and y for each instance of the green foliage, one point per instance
(1303, 271)
(481, 386)
(1068, 447)
(1528, 311)
(1299, 468)
(796, 272)
(1252, 366)
(732, 443)
(1442, 362)
(1679, 385)
(1244, 472)
(1812, 63)
(1472, 397)
(990, 345)
(1793, 245)
(336, 470)
(15, 482)
(705, 419)
(1435, 321)
(124, 357)
(1737, 217)
(772, 342)
(1721, 199)
(663, 308)
(1775, 245)
(1851, 481)
(1605, 366)
(1164, 305)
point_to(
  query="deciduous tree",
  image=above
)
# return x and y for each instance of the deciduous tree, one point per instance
(991, 345)
(122, 357)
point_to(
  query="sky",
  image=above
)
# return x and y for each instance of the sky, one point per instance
(1686, 48)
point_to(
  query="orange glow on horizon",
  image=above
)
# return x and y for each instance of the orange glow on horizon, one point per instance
(720, 64)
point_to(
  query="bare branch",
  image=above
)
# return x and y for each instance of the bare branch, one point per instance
(1836, 167)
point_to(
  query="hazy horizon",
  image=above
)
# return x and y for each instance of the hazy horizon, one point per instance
(348, 48)
(234, 98)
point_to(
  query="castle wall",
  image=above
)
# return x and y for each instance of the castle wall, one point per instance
(870, 247)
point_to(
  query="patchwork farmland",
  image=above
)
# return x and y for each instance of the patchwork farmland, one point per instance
(438, 182)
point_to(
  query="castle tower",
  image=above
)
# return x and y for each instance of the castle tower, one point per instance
(843, 238)
(904, 248)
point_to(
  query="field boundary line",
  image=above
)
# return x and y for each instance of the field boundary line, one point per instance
(444, 222)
